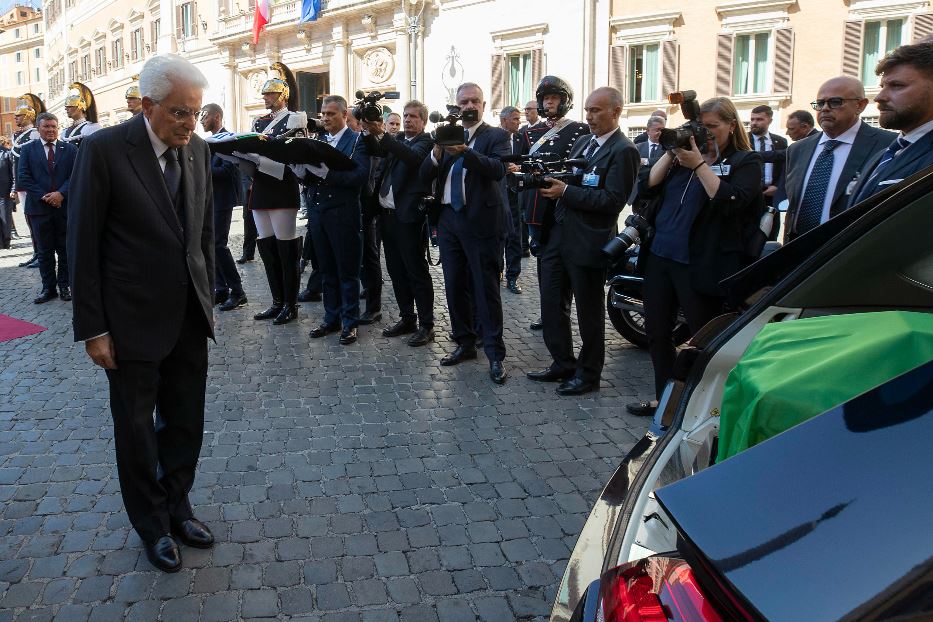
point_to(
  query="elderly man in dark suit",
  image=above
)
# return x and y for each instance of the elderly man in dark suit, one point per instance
(44, 173)
(140, 239)
(822, 170)
(471, 225)
(572, 263)
(905, 104)
(800, 124)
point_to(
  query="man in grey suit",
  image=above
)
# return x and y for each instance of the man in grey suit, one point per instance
(905, 102)
(141, 250)
(822, 170)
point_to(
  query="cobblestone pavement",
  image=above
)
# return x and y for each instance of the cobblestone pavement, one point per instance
(342, 483)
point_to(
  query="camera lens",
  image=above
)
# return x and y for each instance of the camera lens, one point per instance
(616, 247)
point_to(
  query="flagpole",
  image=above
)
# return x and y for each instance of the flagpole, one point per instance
(413, 10)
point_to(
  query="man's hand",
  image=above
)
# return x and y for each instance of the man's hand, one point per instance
(54, 199)
(556, 189)
(101, 351)
(13, 195)
(455, 150)
(376, 128)
(512, 167)
(770, 190)
(437, 152)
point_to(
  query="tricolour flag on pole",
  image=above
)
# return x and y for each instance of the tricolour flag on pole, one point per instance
(260, 19)
(310, 9)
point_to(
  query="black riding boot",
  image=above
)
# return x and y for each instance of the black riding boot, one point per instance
(289, 254)
(269, 251)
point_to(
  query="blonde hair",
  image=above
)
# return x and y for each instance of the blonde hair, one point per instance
(725, 110)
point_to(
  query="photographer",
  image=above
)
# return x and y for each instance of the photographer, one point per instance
(398, 201)
(572, 265)
(709, 201)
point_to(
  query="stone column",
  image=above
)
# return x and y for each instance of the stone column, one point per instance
(232, 107)
(166, 41)
(402, 59)
(338, 62)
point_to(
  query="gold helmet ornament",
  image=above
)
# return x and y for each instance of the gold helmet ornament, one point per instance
(133, 91)
(82, 98)
(284, 84)
(29, 106)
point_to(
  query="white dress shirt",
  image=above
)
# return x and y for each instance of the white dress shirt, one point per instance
(769, 146)
(840, 155)
(915, 134)
(388, 201)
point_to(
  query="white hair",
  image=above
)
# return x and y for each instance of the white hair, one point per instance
(162, 72)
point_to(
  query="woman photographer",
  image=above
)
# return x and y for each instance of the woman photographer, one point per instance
(708, 203)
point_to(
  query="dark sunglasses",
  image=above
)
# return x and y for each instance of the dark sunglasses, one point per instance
(834, 102)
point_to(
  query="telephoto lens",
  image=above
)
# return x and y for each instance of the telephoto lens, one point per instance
(632, 234)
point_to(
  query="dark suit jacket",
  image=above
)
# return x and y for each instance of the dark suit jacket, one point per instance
(130, 259)
(227, 182)
(7, 174)
(483, 173)
(591, 213)
(401, 164)
(342, 188)
(33, 175)
(912, 159)
(645, 164)
(868, 141)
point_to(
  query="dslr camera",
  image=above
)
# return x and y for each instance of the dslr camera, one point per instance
(366, 107)
(679, 137)
(449, 133)
(534, 169)
(636, 229)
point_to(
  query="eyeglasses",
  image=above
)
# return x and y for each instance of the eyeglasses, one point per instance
(834, 102)
(181, 114)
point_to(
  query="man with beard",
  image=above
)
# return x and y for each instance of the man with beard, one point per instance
(771, 147)
(905, 102)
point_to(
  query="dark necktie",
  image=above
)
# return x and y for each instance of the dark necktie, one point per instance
(811, 208)
(653, 149)
(51, 156)
(871, 185)
(172, 176)
(456, 179)
(761, 144)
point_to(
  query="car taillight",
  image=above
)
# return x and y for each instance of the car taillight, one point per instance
(655, 589)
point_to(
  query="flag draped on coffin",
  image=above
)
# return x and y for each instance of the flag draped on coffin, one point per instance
(310, 9)
(260, 19)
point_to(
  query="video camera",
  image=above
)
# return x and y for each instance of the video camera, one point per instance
(679, 137)
(366, 108)
(535, 169)
(450, 133)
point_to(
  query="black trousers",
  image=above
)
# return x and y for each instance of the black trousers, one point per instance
(407, 264)
(667, 289)
(48, 230)
(156, 461)
(308, 254)
(226, 275)
(338, 244)
(249, 232)
(471, 274)
(560, 282)
(371, 266)
(513, 240)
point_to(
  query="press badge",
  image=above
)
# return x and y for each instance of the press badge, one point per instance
(591, 180)
(721, 170)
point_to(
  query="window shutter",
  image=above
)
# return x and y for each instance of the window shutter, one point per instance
(617, 68)
(923, 26)
(179, 28)
(783, 60)
(670, 62)
(497, 82)
(537, 68)
(724, 64)
(852, 48)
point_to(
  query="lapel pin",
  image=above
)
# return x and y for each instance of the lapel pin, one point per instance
(191, 158)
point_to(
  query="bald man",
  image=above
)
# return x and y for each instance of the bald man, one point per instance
(823, 169)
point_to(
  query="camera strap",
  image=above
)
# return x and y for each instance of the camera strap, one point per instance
(551, 133)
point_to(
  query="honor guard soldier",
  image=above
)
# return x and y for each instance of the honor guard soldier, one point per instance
(274, 199)
(27, 108)
(134, 99)
(82, 110)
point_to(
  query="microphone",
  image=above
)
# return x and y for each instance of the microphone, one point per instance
(436, 117)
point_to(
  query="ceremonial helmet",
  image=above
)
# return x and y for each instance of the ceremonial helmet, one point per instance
(132, 92)
(284, 84)
(82, 98)
(552, 85)
(29, 106)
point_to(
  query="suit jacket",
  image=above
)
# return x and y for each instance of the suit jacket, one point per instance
(912, 159)
(645, 164)
(7, 174)
(868, 141)
(401, 164)
(227, 182)
(34, 179)
(591, 213)
(483, 172)
(130, 259)
(341, 188)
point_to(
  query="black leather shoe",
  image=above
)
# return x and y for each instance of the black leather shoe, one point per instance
(220, 296)
(370, 317)
(421, 338)
(497, 372)
(242, 260)
(29, 263)
(526, 253)
(348, 336)
(402, 327)
(164, 554)
(641, 409)
(64, 293)
(235, 301)
(577, 386)
(537, 325)
(323, 330)
(513, 286)
(45, 295)
(306, 295)
(552, 374)
(286, 315)
(193, 532)
(462, 353)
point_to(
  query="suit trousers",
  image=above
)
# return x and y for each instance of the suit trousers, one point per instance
(48, 230)
(667, 289)
(249, 232)
(6, 222)
(561, 281)
(513, 240)
(226, 277)
(407, 264)
(308, 254)
(338, 243)
(156, 462)
(371, 267)
(471, 279)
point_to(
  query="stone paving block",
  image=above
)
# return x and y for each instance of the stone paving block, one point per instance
(455, 610)
(144, 611)
(369, 592)
(260, 603)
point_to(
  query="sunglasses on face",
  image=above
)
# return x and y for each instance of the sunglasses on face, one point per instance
(833, 102)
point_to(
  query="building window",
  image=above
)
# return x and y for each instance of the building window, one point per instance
(19, 57)
(880, 37)
(750, 64)
(156, 31)
(644, 73)
(100, 60)
(19, 78)
(35, 29)
(37, 53)
(73, 70)
(520, 88)
(117, 47)
(17, 33)
(85, 67)
(136, 44)
(187, 20)
(38, 79)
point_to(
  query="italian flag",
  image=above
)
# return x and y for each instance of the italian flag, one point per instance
(260, 19)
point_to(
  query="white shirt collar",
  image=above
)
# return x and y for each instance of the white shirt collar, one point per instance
(919, 132)
(157, 145)
(471, 132)
(601, 140)
(335, 139)
(846, 137)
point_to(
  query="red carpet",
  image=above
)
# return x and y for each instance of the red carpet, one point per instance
(11, 328)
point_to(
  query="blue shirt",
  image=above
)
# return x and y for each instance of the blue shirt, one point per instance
(684, 197)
